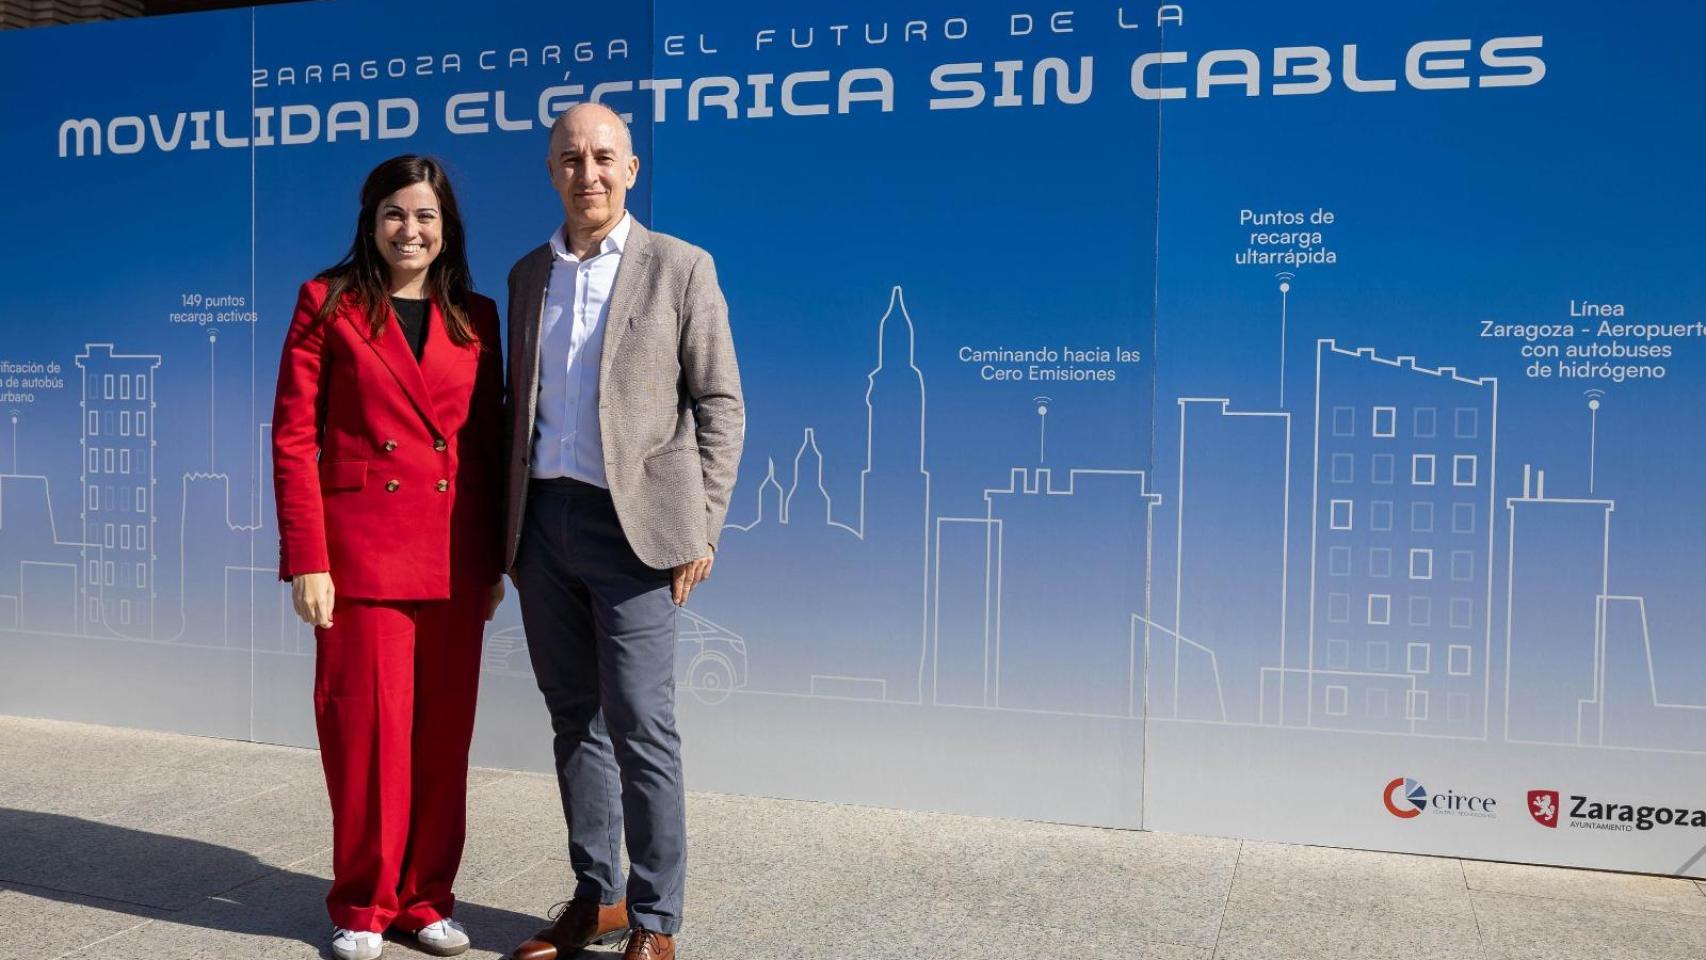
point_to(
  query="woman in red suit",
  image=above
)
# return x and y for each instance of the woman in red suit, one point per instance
(387, 434)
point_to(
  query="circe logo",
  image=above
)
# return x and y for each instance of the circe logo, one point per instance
(1405, 798)
(1543, 807)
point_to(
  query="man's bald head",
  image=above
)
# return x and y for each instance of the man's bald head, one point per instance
(594, 113)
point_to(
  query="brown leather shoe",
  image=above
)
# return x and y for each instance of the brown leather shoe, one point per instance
(580, 923)
(646, 945)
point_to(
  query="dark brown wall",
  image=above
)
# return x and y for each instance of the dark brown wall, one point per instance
(151, 7)
(36, 13)
(15, 14)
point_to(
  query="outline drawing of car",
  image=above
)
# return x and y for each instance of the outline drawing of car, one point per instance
(506, 653)
(710, 660)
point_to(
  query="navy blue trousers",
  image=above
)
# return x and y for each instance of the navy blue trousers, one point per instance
(601, 633)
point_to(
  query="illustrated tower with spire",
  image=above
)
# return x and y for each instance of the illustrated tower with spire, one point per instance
(894, 501)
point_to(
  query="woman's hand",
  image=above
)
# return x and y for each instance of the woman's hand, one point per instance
(313, 595)
(496, 598)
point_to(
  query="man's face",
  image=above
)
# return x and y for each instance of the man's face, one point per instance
(592, 168)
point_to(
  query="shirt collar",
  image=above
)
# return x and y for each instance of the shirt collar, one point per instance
(614, 241)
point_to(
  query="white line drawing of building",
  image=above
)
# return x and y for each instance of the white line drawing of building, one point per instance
(213, 547)
(41, 575)
(895, 477)
(1580, 668)
(808, 463)
(1044, 646)
(118, 425)
(895, 459)
(832, 565)
(771, 499)
(266, 602)
(1634, 713)
(964, 599)
(1401, 543)
(872, 613)
(1227, 644)
(225, 597)
(1204, 660)
(1557, 568)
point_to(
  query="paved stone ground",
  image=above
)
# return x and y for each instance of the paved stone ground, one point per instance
(144, 846)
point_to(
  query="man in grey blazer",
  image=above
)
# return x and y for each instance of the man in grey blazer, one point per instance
(626, 431)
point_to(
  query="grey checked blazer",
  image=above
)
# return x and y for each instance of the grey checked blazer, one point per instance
(670, 407)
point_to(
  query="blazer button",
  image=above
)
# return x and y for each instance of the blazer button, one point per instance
(443, 485)
(390, 445)
(440, 445)
(391, 486)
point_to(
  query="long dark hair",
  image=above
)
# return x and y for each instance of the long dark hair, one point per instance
(364, 275)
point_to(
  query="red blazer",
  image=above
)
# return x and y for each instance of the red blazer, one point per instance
(388, 473)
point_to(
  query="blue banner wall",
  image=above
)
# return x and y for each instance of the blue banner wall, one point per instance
(1265, 420)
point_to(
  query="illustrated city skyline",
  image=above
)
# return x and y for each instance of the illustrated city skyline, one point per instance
(904, 604)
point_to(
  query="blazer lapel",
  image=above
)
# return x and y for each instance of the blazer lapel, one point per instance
(630, 276)
(524, 330)
(441, 354)
(393, 351)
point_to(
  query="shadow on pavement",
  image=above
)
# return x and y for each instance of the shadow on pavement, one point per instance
(190, 882)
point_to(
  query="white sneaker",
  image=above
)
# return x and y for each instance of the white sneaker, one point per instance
(356, 945)
(442, 938)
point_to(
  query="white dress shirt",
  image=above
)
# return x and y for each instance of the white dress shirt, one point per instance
(567, 441)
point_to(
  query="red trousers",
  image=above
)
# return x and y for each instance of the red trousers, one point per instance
(394, 690)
